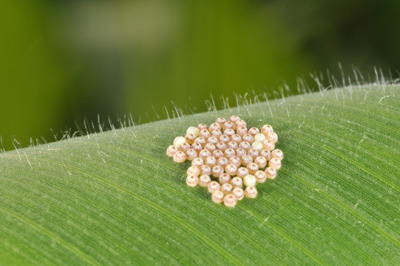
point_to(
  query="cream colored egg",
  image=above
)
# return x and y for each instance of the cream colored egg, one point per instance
(249, 180)
(257, 146)
(178, 141)
(193, 130)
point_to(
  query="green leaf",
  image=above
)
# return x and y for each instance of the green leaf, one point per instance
(116, 198)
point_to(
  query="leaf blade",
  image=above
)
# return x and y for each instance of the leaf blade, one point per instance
(115, 198)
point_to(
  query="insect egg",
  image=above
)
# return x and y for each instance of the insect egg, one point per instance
(193, 170)
(217, 170)
(266, 128)
(221, 146)
(220, 121)
(230, 153)
(231, 169)
(245, 145)
(184, 146)
(253, 168)
(257, 146)
(204, 180)
(228, 125)
(270, 172)
(277, 154)
(235, 160)
(272, 136)
(238, 193)
(203, 154)
(178, 141)
(229, 132)
(213, 186)
(260, 161)
(212, 140)
(217, 196)
(191, 154)
(230, 201)
(236, 138)
(198, 162)
(241, 123)
(241, 131)
(200, 140)
(218, 154)
(250, 192)
(190, 138)
(204, 133)
(266, 154)
(202, 126)
(197, 147)
(216, 133)
(171, 150)
(242, 172)
(179, 157)
(224, 178)
(253, 153)
(259, 137)
(233, 145)
(211, 161)
(234, 118)
(260, 176)
(192, 180)
(240, 152)
(249, 181)
(205, 170)
(223, 161)
(254, 131)
(193, 130)
(246, 160)
(209, 146)
(226, 188)
(237, 182)
(268, 145)
(214, 126)
(224, 138)
(275, 163)
(247, 137)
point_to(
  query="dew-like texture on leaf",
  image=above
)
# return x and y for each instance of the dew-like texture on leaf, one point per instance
(116, 198)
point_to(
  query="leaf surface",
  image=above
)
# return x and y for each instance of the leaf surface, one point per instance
(116, 198)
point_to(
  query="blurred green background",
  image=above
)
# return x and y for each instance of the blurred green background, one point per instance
(65, 61)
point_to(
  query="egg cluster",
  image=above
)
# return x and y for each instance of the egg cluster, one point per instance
(228, 158)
